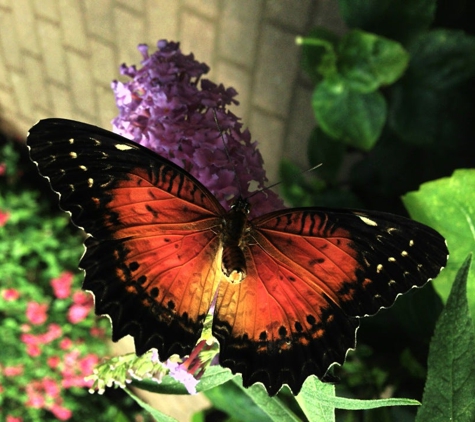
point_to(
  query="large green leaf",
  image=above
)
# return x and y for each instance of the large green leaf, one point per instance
(351, 116)
(367, 61)
(449, 393)
(441, 59)
(397, 19)
(448, 205)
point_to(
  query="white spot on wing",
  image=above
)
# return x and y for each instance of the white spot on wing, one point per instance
(72, 154)
(123, 147)
(367, 221)
(90, 182)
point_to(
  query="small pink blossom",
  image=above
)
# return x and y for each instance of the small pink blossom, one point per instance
(29, 339)
(62, 285)
(51, 388)
(33, 350)
(13, 419)
(180, 373)
(62, 413)
(10, 294)
(34, 391)
(54, 332)
(65, 343)
(4, 216)
(78, 313)
(37, 312)
(13, 371)
(53, 361)
(87, 364)
(3, 168)
(97, 332)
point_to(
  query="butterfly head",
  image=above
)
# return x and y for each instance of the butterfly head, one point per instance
(241, 206)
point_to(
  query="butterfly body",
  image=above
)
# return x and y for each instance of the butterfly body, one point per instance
(289, 286)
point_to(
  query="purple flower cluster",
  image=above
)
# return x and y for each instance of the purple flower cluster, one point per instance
(167, 107)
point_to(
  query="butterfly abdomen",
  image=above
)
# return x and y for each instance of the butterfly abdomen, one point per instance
(233, 263)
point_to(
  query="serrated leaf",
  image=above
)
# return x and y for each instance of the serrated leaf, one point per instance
(448, 205)
(351, 116)
(232, 400)
(367, 61)
(441, 59)
(273, 407)
(397, 19)
(450, 387)
(318, 401)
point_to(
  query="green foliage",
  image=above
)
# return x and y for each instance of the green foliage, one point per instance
(450, 388)
(394, 105)
(47, 348)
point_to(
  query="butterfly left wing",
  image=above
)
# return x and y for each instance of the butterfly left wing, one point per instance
(152, 253)
(311, 274)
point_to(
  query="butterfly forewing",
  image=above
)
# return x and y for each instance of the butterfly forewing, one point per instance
(151, 258)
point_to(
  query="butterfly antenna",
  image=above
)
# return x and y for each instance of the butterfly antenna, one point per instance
(227, 152)
(280, 181)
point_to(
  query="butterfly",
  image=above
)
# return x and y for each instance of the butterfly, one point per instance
(289, 286)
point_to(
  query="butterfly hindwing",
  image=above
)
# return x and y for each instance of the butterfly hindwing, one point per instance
(151, 255)
(311, 273)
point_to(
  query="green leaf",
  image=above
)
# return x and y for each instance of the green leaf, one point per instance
(213, 376)
(450, 387)
(309, 400)
(448, 206)
(367, 61)
(274, 407)
(397, 19)
(318, 401)
(325, 150)
(318, 53)
(232, 400)
(351, 116)
(158, 416)
(441, 59)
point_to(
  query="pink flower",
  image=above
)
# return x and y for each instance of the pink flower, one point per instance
(29, 339)
(13, 419)
(3, 168)
(78, 313)
(97, 332)
(13, 371)
(180, 373)
(62, 285)
(53, 361)
(34, 391)
(54, 332)
(4, 216)
(51, 387)
(10, 294)
(62, 413)
(65, 343)
(83, 303)
(33, 350)
(36, 312)
(87, 364)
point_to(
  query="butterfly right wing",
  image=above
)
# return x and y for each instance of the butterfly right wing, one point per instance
(152, 254)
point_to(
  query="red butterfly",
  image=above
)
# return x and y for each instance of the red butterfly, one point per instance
(289, 285)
